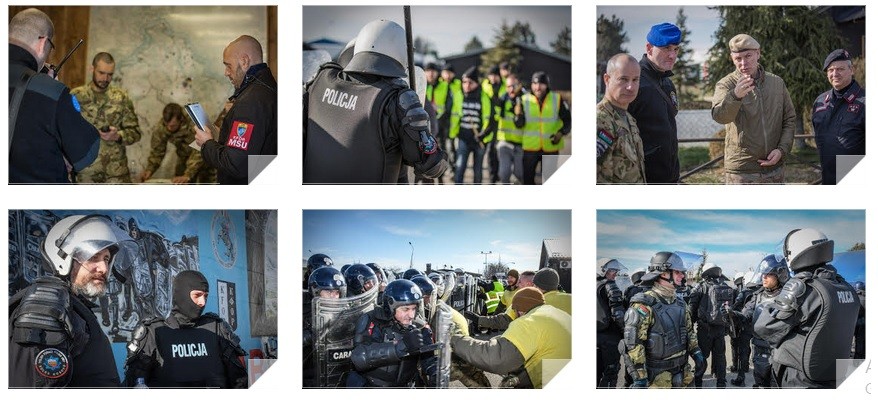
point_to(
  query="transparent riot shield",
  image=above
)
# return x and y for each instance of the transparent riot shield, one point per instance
(334, 325)
(311, 62)
(458, 295)
(623, 281)
(442, 328)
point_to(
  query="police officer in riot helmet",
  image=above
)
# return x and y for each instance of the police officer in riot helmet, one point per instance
(658, 332)
(314, 262)
(741, 349)
(363, 121)
(773, 274)
(811, 322)
(709, 306)
(627, 295)
(411, 273)
(380, 274)
(359, 279)
(389, 345)
(433, 288)
(325, 282)
(55, 339)
(187, 349)
(610, 321)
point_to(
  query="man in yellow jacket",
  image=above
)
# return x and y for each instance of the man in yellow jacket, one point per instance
(545, 120)
(532, 350)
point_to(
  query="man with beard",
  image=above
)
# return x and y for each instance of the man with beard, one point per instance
(187, 349)
(111, 111)
(55, 339)
(250, 127)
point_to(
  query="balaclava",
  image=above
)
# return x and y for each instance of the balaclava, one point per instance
(184, 309)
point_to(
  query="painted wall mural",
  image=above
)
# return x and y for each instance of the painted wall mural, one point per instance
(165, 244)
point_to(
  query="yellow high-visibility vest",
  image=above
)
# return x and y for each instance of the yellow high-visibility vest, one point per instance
(541, 122)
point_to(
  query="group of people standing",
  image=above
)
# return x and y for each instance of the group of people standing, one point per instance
(636, 120)
(405, 333)
(81, 135)
(797, 312)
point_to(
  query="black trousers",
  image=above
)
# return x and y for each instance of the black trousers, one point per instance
(608, 358)
(712, 342)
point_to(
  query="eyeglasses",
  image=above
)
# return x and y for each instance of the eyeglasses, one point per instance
(49, 40)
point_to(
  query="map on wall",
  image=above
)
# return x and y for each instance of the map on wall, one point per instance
(170, 54)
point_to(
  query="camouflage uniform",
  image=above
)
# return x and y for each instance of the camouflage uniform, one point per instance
(619, 147)
(638, 320)
(189, 162)
(110, 108)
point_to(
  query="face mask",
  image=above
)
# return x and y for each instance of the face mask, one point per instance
(184, 309)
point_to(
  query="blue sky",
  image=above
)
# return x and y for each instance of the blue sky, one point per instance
(735, 240)
(448, 27)
(443, 237)
(701, 21)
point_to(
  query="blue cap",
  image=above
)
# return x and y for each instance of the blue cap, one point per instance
(664, 34)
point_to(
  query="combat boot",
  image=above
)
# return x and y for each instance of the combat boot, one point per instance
(739, 380)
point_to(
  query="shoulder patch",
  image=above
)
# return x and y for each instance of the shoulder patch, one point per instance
(239, 135)
(643, 310)
(51, 363)
(76, 103)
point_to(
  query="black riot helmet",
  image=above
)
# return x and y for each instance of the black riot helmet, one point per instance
(401, 292)
(359, 279)
(428, 292)
(775, 265)
(317, 261)
(663, 261)
(411, 273)
(379, 272)
(327, 278)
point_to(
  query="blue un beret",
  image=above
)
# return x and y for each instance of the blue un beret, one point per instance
(664, 34)
(836, 55)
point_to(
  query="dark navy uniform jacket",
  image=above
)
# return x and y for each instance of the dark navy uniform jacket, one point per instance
(839, 126)
(655, 110)
(250, 128)
(48, 129)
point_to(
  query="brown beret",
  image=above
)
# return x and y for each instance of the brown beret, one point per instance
(527, 298)
(742, 42)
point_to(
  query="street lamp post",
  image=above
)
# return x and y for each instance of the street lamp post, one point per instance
(485, 253)
(412, 259)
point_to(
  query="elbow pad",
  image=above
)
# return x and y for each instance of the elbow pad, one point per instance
(416, 123)
(788, 300)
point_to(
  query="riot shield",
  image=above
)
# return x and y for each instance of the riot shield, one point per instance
(458, 299)
(623, 281)
(442, 328)
(334, 324)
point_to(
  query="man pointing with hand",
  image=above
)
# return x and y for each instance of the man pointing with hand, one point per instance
(758, 114)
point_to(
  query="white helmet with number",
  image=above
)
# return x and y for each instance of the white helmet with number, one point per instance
(78, 238)
(380, 50)
(805, 248)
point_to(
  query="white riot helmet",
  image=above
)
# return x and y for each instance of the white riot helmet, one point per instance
(78, 238)
(610, 264)
(347, 53)
(380, 50)
(805, 248)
